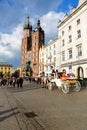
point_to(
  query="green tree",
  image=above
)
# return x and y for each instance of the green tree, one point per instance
(1, 74)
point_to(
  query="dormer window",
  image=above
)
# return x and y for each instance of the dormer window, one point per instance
(69, 27)
(78, 21)
(62, 33)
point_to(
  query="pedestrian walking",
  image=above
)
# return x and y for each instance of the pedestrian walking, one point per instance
(17, 82)
(21, 82)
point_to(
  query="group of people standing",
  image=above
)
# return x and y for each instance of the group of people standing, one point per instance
(11, 81)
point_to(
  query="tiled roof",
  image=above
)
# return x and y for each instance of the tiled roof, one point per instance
(5, 64)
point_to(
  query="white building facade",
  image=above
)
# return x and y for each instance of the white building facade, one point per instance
(72, 33)
(50, 57)
(41, 61)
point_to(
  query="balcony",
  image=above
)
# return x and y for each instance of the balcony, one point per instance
(51, 63)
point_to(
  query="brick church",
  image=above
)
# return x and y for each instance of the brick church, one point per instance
(32, 41)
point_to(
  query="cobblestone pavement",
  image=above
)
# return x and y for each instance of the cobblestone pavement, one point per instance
(7, 116)
(52, 110)
(14, 115)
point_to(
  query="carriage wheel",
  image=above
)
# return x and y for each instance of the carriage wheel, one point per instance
(77, 86)
(65, 88)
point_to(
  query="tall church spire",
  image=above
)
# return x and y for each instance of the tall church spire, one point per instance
(38, 23)
(27, 24)
(39, 26)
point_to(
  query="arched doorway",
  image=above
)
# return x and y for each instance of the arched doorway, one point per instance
(80, 72)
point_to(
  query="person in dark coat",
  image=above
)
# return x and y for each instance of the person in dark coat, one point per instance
(17, 82)
(21, 82)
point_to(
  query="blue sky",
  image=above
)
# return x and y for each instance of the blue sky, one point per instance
(12, 18)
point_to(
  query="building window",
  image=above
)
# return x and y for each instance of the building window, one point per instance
(34, 59)
(54, 59)
(46, 68)
(54, 52)
(70, 53)
(70, 68)
(50, 47)
(79, 50)
(47, 50)
(35, 37)
(63, 56)
(69, 27)
(78, 21)
(49, 60)
(42, 59)
(40, 68)
(34, 49)
(70, 38)
(35, 44)
(78, 33)
(62, 33)
(25, 47)
(50, 53)
(46, 55)
(63, 42)
(54, 45)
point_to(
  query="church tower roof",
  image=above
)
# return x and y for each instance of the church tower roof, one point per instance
(38, 26)
(27, 24)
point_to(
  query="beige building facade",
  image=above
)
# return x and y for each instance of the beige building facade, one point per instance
(5, 68)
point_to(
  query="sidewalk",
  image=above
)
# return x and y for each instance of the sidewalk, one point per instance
(7, 116)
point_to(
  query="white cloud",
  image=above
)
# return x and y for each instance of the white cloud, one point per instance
(10, 44)
(14, 39)
(49, 23)
(5, 52)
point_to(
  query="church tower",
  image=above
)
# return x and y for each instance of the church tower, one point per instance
(37, 43)
(26, 43)
(32, 41)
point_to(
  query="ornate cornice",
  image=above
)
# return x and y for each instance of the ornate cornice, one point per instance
(79, 62)
(72, 14)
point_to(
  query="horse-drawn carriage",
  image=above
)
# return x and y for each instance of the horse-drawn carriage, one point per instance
(65, 84)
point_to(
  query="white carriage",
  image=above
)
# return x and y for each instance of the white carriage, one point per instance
(65, 84)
